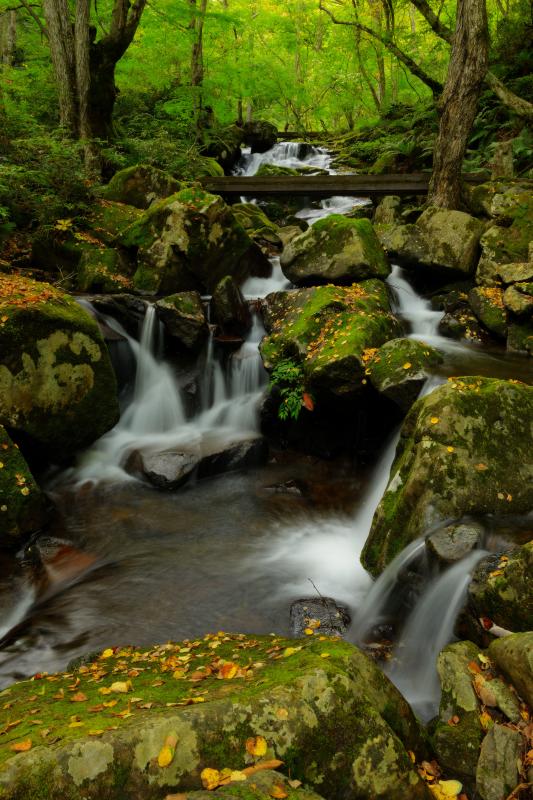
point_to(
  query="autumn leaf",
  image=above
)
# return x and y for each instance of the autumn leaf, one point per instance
(407, 365)
(434, 420)
(166, 754)
(121, 687)
(278, 792)
(228, 671)
(272, 764)
(308, 402)
(107, 653)
(290, 651)
(210, 778)
(21, 747)
(256, 746)
(79, 697)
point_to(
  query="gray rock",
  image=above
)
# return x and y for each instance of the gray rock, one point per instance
(169, 470)
(232, 457)
(452, 543)
(488, 306)
(229, 309)
(400, 368)
(334, 619)
(519, 299)
(388, 211)
(452, 238)
(497, 770)
(260, 135)
(184, 319)
(513, 656)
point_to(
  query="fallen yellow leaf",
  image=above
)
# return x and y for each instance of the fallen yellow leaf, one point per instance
(107, 653)
(210, 778)
(166, 754)
(256, 746)
(121, 687)
(450, 788)
(434, 420)
(289, 651)
(278, 792)
(407, 365)
(21, 747)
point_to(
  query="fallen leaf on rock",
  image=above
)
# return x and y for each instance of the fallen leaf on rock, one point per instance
(486, 720)
(179, 796)
(308, 631)
(166, 754)
(454, 720)
(278, 791)
(434, 420)
(256, 746)
(450, 788)
(79, 697)
(21, 747)
(274, 763)
(210, 778)
(407, 365)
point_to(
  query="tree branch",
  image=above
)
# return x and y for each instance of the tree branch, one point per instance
(29, 8)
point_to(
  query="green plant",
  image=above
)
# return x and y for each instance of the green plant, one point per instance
(288, 378)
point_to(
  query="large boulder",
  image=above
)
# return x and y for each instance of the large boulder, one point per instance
(328, 330)
(488, 305)
(184, 319)
(501, 589)
(445, 240)
(257, 225)
(461, 452)
(513, 655)
(190, 241)
(57, 385)
(260, 135)
(335, 250)
(497, 773)
(140, 186)
(507, 241)
(153, 722)
(229, 309)
(103, 269)
(400, 367)
(22, 503)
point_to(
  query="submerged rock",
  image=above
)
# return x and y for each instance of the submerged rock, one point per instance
(184, 319)
(319, 615)
(336, 250)
(190, 241)
(327, 330)
(57, 385)
(320, 707)
(461, 452)
(400, 368)
(140, 186)
(22, 504)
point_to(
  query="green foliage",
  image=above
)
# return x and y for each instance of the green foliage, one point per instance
(288, 378)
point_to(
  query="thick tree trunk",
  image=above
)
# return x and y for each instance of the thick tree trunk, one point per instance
(458, 104)
(61, 38)
(8, 38)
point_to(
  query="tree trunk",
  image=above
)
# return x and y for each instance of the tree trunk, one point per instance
(8, 38)
(61, 38)
(458, 104)
(197, 53)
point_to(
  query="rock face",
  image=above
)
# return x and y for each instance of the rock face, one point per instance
(184, 318)
(453, 542)
(102, 269)
(328, 330)
(497, 771)
(507, 240)
(461, 453)
(57, 385)
(190, 241)
(335, 250)
(320, 614)
(22, 503)
(502, 590)
(513, 655)
(229, 309)
(140, 186)
(400, 368)
(440, 238)
(457, 744)
(488, 305)
(257, 225)
(299, 708)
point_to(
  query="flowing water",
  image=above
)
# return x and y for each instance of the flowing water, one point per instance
(232, 552)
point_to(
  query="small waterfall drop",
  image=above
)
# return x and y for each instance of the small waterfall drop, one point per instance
(410, 306)
(285, 154)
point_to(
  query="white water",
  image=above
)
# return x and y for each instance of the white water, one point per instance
(255, 288)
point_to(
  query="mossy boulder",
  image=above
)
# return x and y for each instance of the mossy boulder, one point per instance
(461, 452)
(400, 368)
(108, 221)
(388, 211)
(458, 734)
(497, 773)
(103, 269)
(263, 785)
(150, 721)
(487, 304)
(518, 299)
(274, 170)
(57, 385)
(335, 250)
(190, 241)
(513, 655)
(520, 338)
(502, 590)
(329, 331)
(257, 225)
(403, 243)
(260, 135)
(206, 167)
(140, 186)
(22, 503)
(229, 309)
(184, 319)
(223, 145)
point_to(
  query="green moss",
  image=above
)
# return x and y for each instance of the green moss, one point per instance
(21, 500)
(101, 270)
(109, 220)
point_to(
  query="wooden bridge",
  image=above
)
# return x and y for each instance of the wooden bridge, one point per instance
(321, 186)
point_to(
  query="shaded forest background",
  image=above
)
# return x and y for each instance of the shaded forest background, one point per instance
(366, 74)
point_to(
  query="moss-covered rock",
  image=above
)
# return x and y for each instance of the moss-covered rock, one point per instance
(329, 331)
(403, 243)
(140, 186)
(388, 211)
(518, 299)
(57, 384)
(190, 241)
(184, 319)
(22, 503)
(108, 221)
(206, 167)
(458, 733)
(400, 368)
(229, 309)
(513, 655)
(487, 304)
(257, 225)
(461, 452)
(502, 590)
(497, 773)
(323, 708)
(452, 238)
(274, 170)
(262, 785)
(102, 269)
(335, 250)
(223, 145)
(520, 338)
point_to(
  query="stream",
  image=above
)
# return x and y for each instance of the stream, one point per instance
(128, 564)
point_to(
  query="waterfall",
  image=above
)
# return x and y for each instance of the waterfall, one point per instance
(285, 154)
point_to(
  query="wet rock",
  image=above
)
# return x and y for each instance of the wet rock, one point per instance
(460, 454)
(303, 705)
(388, 211)
(458, 733)
(288, 233)
(488, 306)
(260, 135)
(231, 457)
(102, 269)
(461, 323)
(140, 186)
(518, 299)
(168, 470)
(57, 385)
(400, 368)
(328, 330)
(224, 145)
(335, 250)
(229, 309)
(320, 614)
(497, 770)
(22, 504)
(501, 589)
(513, 656)
(454, 542)
(257, 225)
(520, 338)
(184, 319)
(128, 309)
(190, 241)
